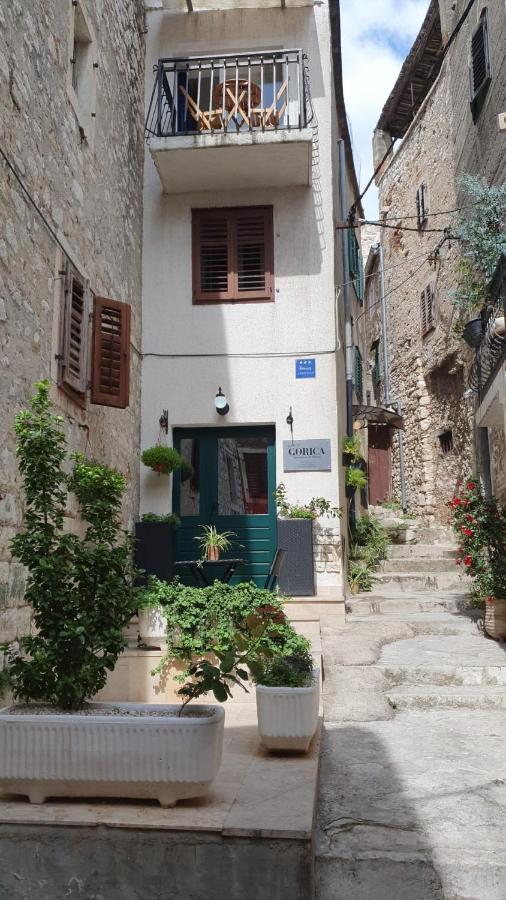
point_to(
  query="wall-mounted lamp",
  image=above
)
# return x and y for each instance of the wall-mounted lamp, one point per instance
(289, 421)
(221, 403)
(164, 421)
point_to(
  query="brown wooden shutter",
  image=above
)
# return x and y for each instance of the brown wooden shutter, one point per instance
(111, 353)
(212, 252)
(74, 356)
(254, 251)
(427, 309)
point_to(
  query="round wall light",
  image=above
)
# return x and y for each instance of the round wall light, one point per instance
(221, 403)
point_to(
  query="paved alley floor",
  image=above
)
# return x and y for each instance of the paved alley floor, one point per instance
(412, 799)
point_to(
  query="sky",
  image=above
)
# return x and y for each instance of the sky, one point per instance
(376, 37)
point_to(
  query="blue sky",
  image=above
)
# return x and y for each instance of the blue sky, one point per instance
(376, 36)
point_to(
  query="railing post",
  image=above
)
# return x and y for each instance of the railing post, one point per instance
(302, 95)
(159, 77)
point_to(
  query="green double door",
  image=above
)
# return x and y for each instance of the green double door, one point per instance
(232, 487)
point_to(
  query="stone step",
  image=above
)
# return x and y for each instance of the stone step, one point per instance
(367, 604)
(421, 551)
(420, 563)
(445, 676)
(407, 582)
(465, 697)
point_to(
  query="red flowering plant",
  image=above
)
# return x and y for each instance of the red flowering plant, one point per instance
(480, 527)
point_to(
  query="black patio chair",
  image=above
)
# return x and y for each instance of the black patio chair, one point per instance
(275, 569)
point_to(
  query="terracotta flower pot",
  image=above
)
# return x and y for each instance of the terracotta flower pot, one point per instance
(213, 554)
(495, 618)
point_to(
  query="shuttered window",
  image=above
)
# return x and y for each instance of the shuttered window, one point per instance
(356, 265)
(422, 205)
(232, 254)
(358, 378)
(73, 356)
(427, 309)
(479, 64)
(111, 353)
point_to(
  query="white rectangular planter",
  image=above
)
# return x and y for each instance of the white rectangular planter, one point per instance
(166, 758)
(288, 717)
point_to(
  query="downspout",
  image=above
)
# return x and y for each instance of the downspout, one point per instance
(384, 327)
(348, 333)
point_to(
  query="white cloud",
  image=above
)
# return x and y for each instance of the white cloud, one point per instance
(376, 36)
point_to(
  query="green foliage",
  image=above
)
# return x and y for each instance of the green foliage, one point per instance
(81, 590)
(480, 527)
(353, 448)
(162, 459)
(317, 506)
(483, 239)
(295, 670)
(203, 620)
(355, 478)
(212, 538)
(360, 575)
(168, 518)
(186, 470)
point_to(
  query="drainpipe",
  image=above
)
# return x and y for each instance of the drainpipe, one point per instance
(384, 327)
(348, 334)
(402, 474)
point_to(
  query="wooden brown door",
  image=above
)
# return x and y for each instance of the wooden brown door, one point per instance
(379, 463)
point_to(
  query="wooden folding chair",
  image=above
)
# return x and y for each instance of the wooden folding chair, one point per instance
(271, 117)
(207, 120)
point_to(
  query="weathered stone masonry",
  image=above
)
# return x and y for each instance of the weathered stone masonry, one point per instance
(90, 190)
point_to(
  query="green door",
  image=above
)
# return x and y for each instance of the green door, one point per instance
(232, 488)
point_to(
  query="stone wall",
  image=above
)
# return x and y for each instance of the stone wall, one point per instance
(85, 175)
(427, 373)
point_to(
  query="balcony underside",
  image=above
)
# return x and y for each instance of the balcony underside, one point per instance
(212, 5)
(222, 162)
(492, 409)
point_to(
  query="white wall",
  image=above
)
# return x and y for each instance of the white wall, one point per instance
(203, 347)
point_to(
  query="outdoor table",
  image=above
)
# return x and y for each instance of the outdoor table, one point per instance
(217, 569)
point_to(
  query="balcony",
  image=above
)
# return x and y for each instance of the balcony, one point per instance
(231, 122)
(488, 372)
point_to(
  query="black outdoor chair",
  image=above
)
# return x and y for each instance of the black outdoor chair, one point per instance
(275, 569)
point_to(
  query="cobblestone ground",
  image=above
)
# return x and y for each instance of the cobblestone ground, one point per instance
(412, 799)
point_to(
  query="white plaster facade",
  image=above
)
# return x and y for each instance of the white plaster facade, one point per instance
(249, 349)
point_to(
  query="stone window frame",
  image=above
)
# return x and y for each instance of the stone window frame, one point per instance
(82, 95)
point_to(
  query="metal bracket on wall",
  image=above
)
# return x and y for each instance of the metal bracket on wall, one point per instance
(164, 421)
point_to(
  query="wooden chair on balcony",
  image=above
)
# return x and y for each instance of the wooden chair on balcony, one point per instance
(273, 115)
(238, 98)
(206, 119)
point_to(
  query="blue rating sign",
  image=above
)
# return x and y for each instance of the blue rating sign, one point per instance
(305, 368)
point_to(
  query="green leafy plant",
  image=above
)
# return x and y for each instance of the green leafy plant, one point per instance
(482, 240)
(168, 518)
(213, 542)
(355, 478)
(480, 527)
(317, 506)
(295, 670)
(352, 448)
(203, 620)
(360, 577)
(81, 589)
(161, 459)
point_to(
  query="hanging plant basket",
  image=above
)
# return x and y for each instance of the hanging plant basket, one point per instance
(161, 459)
(495, 618)
(473, 331)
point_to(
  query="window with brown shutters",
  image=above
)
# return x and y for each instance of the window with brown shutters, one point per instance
(232, 254)
(422, 205)
(111, 353)
(73, 356)
(480, 73)
(427, 309)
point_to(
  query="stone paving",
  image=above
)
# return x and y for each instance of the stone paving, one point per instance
(412, 801)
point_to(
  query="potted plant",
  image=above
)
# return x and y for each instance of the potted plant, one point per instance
(355, 479)
(288, 698)
(359, 576)
(295, 536)
(352, 450)
(161, 459)
(82, 594)
(480, 526)
(155, 545)
(213, 542)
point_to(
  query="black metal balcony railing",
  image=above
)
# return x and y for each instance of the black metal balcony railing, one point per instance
(491, 352)
(229, 94)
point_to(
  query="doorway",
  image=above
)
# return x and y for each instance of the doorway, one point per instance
(232, 488)
(379, 463)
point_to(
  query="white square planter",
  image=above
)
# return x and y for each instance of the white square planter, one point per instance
(288, 717)
(152, 628)
(134, 755)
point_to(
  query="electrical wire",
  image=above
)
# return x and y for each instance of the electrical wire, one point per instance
(440, 212)
(341, 227)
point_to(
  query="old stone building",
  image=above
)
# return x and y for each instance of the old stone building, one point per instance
(419, 199)
(71, 98)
